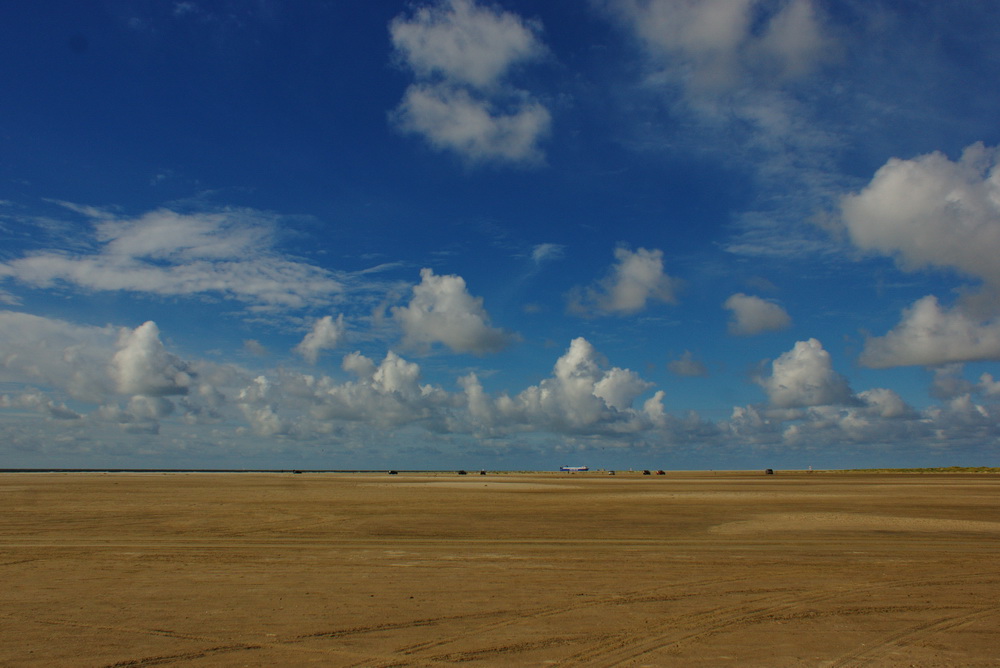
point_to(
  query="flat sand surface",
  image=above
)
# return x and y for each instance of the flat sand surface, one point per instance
(687, 569)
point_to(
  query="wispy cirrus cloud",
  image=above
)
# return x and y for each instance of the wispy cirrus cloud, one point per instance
(711, 45)
(742, 81)
(229, 253)
(687, 365)
(542, 253)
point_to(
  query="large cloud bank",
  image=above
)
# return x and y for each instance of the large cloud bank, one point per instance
(581, 395)
(78, 380)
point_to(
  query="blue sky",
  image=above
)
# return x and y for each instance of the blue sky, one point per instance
(672, 234)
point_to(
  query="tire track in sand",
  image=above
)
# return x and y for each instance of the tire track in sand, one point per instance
(686, 629)
(216, 646)
(186, 656)
(521, 616)
(866, 655)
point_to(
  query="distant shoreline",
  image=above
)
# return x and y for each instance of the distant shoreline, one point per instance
(592, 473)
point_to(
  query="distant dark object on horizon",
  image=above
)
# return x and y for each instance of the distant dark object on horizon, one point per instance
(461, 473)
(661, 472)
(646, 472)
(482, 472)
(393, 473)
(297, 472)
(768, 471)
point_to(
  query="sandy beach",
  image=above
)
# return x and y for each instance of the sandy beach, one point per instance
(687, 569)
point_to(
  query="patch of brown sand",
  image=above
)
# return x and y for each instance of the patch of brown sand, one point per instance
(494, 484)
(526, 570)
(793, 522)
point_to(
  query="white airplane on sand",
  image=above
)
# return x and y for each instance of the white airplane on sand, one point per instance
(574, 469)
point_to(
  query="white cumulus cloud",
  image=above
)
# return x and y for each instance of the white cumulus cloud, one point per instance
(143, 366)
(151, 400)
(326, 334)
(932, 212)
(461, 54)
(441, 310)
(464, 42)
(885, 403)
(989, 386)
(103, 365)
(385, 394)
(473, 127)
(36, 401)
(58, 354)
(635, 279)
(804, 376)
(753, 315)
(929, 335)
(581, 395)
